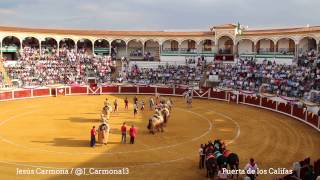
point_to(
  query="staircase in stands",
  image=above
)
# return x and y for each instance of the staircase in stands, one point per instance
(118, 69)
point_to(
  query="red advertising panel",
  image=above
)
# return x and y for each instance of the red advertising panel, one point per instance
(5, 95)
(41, 92)
(128, 89)
(22, 93)
(110, 89)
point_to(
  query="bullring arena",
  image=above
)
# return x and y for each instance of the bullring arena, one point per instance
(52, 132)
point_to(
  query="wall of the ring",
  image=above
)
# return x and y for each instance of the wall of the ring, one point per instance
(290, 110)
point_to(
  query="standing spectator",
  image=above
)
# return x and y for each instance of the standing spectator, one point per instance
(251, 169)
(133, 133)
(135, 110)
(124, 133)
(93, 137)
(201, 156)
(126, 102)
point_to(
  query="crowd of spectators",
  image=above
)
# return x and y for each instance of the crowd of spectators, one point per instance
(279, 79)
(65, 67)
(70, 66)
(165, 74)
(307, 58)
(1, 79)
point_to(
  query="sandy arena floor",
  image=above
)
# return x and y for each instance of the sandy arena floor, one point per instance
(55, 132)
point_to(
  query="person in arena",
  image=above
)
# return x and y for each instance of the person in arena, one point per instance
(201, 156)
(222, 175)
(135, 100)
(151, 103)
(123, 133)
(93, 133)
(133, 133)
(135, 109)
(142, 105)
(115, 103)
(106, 102)
(251, 169)
(102, 134)
(126, 103)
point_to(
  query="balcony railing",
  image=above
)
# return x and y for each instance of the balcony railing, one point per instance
(9, 49)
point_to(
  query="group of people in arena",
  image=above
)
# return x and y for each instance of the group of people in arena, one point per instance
(104, 128)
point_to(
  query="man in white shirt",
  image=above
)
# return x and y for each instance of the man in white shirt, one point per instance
(251, 169)
(201, 156)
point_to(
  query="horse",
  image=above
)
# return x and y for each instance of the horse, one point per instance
(221, 160)
(211, 166)
(232, 160)
(155, 123)
(165, 114)
(211, 161)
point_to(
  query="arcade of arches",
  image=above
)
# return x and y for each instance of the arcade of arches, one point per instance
(153, 49)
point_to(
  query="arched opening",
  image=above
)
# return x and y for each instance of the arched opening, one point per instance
(31, 50)
(285, 46)
(118, 49)
(49, 46)
(245, 46)
(10, 48)
(135, 49)
(306, 45)
(151, 50)
(188, 46)
(307, 49)
(30, 42)
(84, 46)
(206, 45)
(101, 47)
(225, 45)
(170, 47)
(66, 45)
(265, 46)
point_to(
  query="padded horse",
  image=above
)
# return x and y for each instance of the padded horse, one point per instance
(165, 114)
(211, 162)
(232, 160)
(156, 123)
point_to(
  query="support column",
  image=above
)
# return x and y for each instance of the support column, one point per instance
(93, 49)
(126, 50)
(40, 51)
(160, 50)
(1, 55)
(142, 48)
